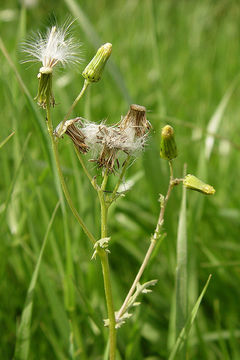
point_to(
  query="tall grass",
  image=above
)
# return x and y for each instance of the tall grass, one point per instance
(179, 59)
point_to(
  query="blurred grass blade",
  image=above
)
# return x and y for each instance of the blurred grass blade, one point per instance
(181, 270)
(92, 35)
(185, 331)
(15, 176)
(6, 140)
(215, 120)
(24, 329)
(53, 340)
(69, 293)
(39, 123)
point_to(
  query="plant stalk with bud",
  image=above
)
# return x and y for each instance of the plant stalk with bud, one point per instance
(112, 148)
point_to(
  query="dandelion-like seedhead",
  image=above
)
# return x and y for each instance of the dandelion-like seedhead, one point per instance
(56, 46)
(108, 142)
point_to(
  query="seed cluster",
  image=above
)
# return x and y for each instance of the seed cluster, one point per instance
(107, 142)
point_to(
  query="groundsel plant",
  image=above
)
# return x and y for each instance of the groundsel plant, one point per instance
(112, 148)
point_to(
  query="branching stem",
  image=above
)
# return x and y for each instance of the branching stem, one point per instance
(154, 239)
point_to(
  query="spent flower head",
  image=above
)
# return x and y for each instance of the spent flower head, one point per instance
(108, 142)
(136, 120)
(56, 47)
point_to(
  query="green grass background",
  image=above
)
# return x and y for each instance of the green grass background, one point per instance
(181, 60)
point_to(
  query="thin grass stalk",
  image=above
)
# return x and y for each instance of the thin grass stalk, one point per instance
(6, 140)
(191, 318)
(15, 176)
(181, 271)
(23, 333)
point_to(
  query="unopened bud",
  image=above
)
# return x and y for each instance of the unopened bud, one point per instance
(93, 71)
(168, 147)
(45, 94)
(193, 183)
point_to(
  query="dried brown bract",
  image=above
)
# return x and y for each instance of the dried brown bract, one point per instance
(76, 135)
(136, 118)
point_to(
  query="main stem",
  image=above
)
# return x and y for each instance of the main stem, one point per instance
(154, 239)
(106, 272)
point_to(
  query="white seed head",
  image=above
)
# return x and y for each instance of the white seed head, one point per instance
(99, 135)
(57, 46)
(105, 142)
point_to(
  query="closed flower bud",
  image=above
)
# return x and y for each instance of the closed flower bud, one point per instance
(193, 183)
(93, 71)
(168, 147)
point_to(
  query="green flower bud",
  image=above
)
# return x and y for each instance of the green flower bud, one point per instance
(93, 71)
(45, 94)
(168, 147)
(193, 183)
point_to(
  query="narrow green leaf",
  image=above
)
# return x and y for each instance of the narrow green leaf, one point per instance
(185, 331)
(181, 270)
(15, 176)
(40, 124)
(216, 118)
(54, 341)
(6, 140)
(24, 329)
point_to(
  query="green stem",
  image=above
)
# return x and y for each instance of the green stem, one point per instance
(61, 177)
(120, 179)
(151, 247)
(84, 88)
(106, 271)
(91, 179)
